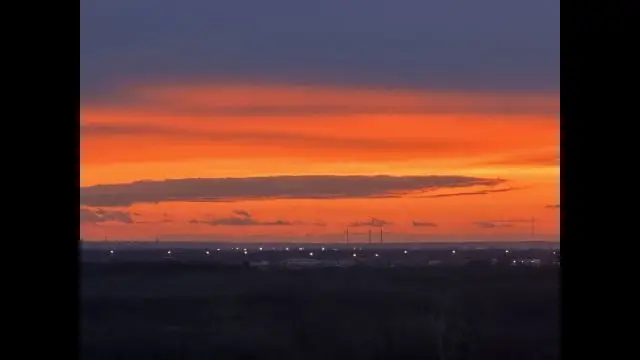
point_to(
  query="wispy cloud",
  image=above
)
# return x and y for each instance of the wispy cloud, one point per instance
(238, 221)
(418, 223)
(373, 222)
(275, 187)
(536, 159)
(102, 216)
(500, 223)
(242, 213)
(491, 225)
(274, 137)
(556, 206)
(244, 218)
(470, 193)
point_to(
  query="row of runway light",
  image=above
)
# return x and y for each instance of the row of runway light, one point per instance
(246, 252)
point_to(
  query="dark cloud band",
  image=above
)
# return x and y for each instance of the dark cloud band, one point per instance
(275, 187)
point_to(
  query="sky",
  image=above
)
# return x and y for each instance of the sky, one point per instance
(289, 120)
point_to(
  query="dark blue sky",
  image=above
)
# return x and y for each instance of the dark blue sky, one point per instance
(434, 44)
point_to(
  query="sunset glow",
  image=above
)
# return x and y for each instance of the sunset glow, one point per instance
(219, 130)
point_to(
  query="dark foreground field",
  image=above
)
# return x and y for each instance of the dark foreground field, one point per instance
(202, 312)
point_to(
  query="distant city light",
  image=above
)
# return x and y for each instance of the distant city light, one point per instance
(453, 252)
(169, 252)
(207, 252)
(310, 254)
(301, 249)
(111, 251)
(405, 251)
(377, 255)
(322, 249)
(354, 255)
(286, 249)
(354, 249)
(217, 249)
(245, 252)
(260, 249)
(506, 251)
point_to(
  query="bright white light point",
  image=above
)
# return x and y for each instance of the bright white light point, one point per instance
(207, 252)
(245, 252)
(377, 255)
(507, 251)
(453, 251)
(322, 249)
(260, 249)
(111, 251)
(354, 255)
(405, 251)
(217, 249)
(310, 254)
(514, 261)
(286, 249)
(169, 252)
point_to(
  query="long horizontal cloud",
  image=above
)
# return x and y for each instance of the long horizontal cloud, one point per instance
(223, 101)
(272, 138)
(555, 206)
(275, 187)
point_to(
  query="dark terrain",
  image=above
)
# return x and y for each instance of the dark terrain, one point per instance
(208, 311)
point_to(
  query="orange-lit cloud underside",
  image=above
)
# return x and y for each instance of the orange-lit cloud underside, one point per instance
(157, 132)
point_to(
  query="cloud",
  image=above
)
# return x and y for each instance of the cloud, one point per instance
(373, 223)
(491, 225)
(549, 158)
(500, 223)
(101, 216)
(556, 206)
(417, 223)
(470, 193)
(274, 187)
(240, 221)
(499, 44)
(221, 101)
(244, 218)
(273, 138)
(242, 213)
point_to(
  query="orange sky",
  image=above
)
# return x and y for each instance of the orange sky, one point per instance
(157, 132)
